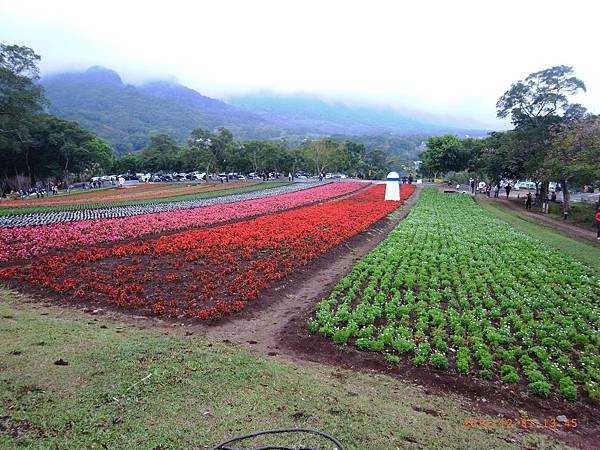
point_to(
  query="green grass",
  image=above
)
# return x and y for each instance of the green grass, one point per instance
(9, 211)
(581, 214)
(197, 392)
(584, 251)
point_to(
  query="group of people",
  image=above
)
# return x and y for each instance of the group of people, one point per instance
(487, 188)
(39, 191)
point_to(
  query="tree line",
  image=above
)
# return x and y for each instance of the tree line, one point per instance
(553, 140)
(35, 146)
(38, 148)
(219, 151)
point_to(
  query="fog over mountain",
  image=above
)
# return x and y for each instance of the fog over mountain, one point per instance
(434, 62)
(126, 115)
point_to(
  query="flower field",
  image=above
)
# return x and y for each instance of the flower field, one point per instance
(129, 193)
(454, 289)
(83, 202)
(27, 242)
(124, 209)
(200, 273)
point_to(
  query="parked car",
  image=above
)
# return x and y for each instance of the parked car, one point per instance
(526, 185)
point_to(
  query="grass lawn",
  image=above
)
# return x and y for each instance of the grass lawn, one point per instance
(586, 252)
(132, 388)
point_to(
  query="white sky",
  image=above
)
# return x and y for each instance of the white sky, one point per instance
(450, 58)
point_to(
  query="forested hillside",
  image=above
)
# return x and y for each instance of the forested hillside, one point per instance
(126, 116)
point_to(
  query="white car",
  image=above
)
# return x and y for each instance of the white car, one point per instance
(526, 185)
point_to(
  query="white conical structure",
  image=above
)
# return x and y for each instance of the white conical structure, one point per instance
(392, 187)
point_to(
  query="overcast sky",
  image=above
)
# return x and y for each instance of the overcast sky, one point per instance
(450, 58)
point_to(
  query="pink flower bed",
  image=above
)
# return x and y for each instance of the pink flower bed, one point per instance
(26, 242)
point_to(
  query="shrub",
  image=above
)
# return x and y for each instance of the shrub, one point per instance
(341, 336)
(541, 388)
(511, 377)
(403, 345)
(419, 360)
(439, 360)
(486, 374)
(391, 358)
(463, 361)
(313, 326)
(567, 389)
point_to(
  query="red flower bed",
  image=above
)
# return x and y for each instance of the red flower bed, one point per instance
(205, 273)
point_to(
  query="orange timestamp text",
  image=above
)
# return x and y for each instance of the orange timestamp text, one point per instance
(549, 423)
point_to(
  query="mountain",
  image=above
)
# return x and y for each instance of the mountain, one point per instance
(126, 115)
(314, 115)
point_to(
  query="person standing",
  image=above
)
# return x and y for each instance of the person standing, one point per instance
(528, 201)
(508, 188)
(472, 185)
(598, 223)
(545, 203)
(496, 190)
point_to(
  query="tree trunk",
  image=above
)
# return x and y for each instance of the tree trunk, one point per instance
(543, 191)
(66, 170)
(207, 167)
(566, 198)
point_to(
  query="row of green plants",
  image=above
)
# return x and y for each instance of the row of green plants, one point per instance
(9, 211)
(456, 289)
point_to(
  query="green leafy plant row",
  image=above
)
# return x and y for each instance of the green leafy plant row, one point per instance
(455, 289)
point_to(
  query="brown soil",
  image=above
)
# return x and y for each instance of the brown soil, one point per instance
(283, 331)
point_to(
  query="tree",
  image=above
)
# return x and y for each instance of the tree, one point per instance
(161, 154)
(210, 150)
(376, 162)
(127, 163)
(356, 158)
(574, 155)
(325, 154)
(443, 154)
(19, 93)
(20, 99)
(541, 96)
(537, 104)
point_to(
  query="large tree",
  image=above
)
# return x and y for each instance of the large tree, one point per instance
(573, 155)
(325, 154)
(535, 105)
(161, 154)
(443, 154)
(541, 97)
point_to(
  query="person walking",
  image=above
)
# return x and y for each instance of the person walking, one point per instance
(528, 201)
(496, 190)
(545, 203)
(508, 187)
(597, 217)
(472, 185)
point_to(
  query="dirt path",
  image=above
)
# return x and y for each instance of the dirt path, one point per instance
(292, 298)
(571, 230)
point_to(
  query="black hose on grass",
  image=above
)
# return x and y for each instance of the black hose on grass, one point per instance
(221, 446)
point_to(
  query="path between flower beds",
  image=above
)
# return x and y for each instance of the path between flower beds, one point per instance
(262, 324)
(22, 220)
